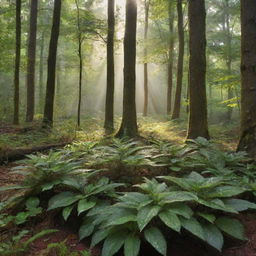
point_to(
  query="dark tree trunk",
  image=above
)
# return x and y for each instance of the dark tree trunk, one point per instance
(129, 126)
(31, 61)
(170, 61)
(248, 69)
(109, 105)
(177, 102)
(50, 88)
(145, 107)
(198, 124)
(41, 74)
(17, 64)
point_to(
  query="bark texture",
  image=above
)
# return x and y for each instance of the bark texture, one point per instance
(129, 126)
(109, 105)
(248, 71)
(31, 61)
(17, 64)
(177, 102)
(50, 88)
(198, 125)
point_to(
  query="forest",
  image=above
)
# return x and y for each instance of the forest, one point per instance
(128, 127)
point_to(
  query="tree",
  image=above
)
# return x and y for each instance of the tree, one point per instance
(248, 71)
(109, 106)
(50, 87)
(198, 124)
(171, 56)
(17, 64)
(31, 61)
(177, 102)
(129, 126)
(145, 107)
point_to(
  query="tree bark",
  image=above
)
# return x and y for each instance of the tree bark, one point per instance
(50, 88)
(31, 61)
(248, 71)
(129, 126)
(41, 74)
(171, 56)
(109, 105)
(177, 102)
(17, 64)
(198, 124)
(145, 107)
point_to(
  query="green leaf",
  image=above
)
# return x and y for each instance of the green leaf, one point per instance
(86, 230)
(239, 204)
(32, 202)
(213, 236)
(193, 226)
(132, 245)
(146, 214)
(123, 220)
(67, 211)
(62, 200)
(178, 196)
(98, 236)
(21, 217)
(113, 243)
(171, 220)
(232, 227)
(155, 237)
(226, 191)
(84, 205)
(207, 216)
(182, 210)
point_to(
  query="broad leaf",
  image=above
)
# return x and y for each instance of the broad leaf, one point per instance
(213, 236)
(171, 220)
(193, 226)
(86, 229)
(132, 245)
(67, 211)
(62, 200)
(239, 204)
(84, 205)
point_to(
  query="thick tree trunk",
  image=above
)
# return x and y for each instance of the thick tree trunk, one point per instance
(109, 105)
(170, 61)
(50, 88)
(31, 61)
(177, 102)
(17, 64)
(198, 125)
(129, 126)
(145, 107)
(80, 82)
(41, 74)
(248, 69)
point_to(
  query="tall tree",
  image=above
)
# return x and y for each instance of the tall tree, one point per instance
(198, 124)
(109, 106)
(17, 64)
(171, 56)
(80, 55)
(31, 61)
(145, 107)
(41, 72)
(50, 87)
(129, 126)
(177, 102)
(248, 70)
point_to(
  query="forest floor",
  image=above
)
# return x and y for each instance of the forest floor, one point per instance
(13, 138)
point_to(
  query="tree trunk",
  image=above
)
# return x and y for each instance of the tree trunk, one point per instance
(145, 107)
(17, 64)
(129, 126)
(50, 88)
(41, 74)
(31, 61)
(171, 56)
(248, 70)
(109, 105)
(198, 124)
(177, 102)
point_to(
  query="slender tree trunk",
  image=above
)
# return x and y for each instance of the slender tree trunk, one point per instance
(109, 105)
(31, 61)
(50, 88)
(248, 69)
(171, 56)
(198, 124)
(145, 107)
(177, 102)
(17, 64)
(129, 126)
(41, 74)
